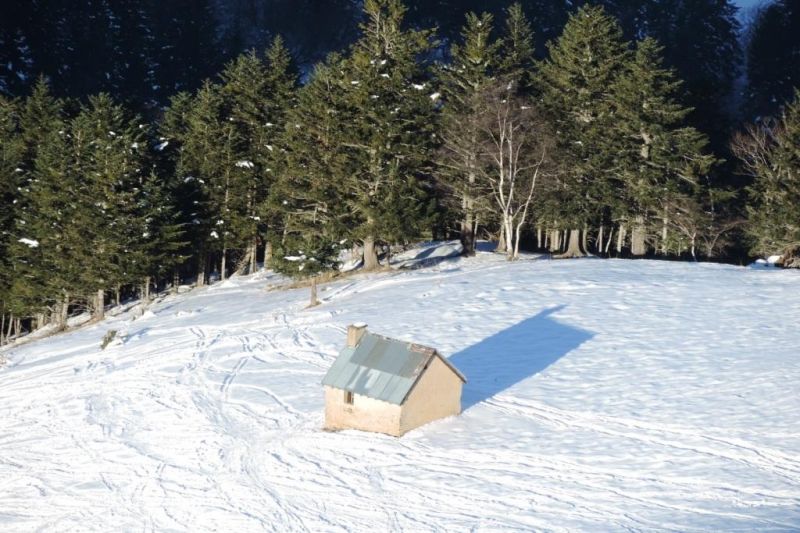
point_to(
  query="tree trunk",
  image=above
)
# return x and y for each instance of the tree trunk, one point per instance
(176, 281)
(222, 263)
(267, 254)
(609, 240)
(246, 262)
(517, 234)
(574, 246)
(370, 254)
(2, 328)
(468, 228)
(201, 269)
(146, 290)
(555, 241)
(546, 240)
(509, 234)
(62, 313)
(116, 295)
(638, 245)
(501, 240)
(10, 331)
(100, 305)
(314, 301)
(664, 233)
(600, 239)
(586, 239)
(539, 238)
(620, 238)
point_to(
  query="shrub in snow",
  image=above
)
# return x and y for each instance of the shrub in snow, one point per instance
(107, 338)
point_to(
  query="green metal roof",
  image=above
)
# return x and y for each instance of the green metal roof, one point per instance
(381, 368)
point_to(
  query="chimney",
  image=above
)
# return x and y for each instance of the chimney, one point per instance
(354, 333)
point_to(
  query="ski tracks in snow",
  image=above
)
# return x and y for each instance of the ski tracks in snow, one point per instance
(209, 416)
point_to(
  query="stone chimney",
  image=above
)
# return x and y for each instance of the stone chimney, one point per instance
(354, 333)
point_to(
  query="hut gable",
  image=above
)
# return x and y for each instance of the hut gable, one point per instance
(379, 374)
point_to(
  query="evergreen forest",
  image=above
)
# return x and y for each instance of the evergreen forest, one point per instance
(147, 145)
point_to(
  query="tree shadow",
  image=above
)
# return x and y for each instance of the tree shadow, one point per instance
(514, 354)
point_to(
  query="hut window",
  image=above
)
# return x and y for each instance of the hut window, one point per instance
(348, 397)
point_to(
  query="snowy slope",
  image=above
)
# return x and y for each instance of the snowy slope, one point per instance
(603, 395)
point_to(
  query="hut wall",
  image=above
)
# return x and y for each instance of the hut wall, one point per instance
(437, 394)
(365, 413)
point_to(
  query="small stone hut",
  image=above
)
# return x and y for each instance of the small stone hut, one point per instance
(389, 386)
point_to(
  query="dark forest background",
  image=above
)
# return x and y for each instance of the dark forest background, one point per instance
(144, 52)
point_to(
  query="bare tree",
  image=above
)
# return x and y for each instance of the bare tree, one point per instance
(517, 147)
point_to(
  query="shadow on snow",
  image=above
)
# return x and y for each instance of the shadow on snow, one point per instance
(514, 354)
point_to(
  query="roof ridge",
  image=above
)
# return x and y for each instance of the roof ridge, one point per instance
(382, 367)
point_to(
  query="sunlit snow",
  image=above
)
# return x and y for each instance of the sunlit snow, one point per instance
(603, 395)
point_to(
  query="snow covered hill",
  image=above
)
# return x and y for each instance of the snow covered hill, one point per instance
(603, 395)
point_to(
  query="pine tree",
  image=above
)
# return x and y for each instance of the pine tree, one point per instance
(258, 94)
(43, 155)
(770, 154)
(40, 252)
(283, 81)
(11, 153)
(773, 57)
(208, 155)
(246, 92)
(16, 55)
(701, 42)
(575, 86)
(187, 53)
(108, 169)
(465, 80)
(134, 52)
(160, 241)
(391, 133)
(311, 220)
(660, 159)
(186, 189)
(518, 52)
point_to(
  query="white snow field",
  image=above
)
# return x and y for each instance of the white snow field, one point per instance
(603, 395)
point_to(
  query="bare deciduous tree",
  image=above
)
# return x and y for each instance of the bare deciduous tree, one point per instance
(517, 148)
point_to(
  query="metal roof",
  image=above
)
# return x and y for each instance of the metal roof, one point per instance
(381, 368)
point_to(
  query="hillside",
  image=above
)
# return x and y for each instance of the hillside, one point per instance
(603, 395)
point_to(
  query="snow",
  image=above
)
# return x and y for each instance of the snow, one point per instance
(160, 146)
(436, 96)
(426, 254)
(245, 164)
(603, 395)
(771, 261)
(31, 243)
